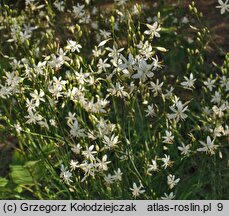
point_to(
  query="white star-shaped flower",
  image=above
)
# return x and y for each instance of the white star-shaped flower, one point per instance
(224, 6)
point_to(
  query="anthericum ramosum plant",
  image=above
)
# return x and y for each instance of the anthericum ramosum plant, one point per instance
(112, 101)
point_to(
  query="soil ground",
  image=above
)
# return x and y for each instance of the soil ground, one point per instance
(217, 23)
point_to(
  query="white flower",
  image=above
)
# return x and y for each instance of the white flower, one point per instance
(117, 90)
(216, 98)
(114, 53)
(85, 19)
(184, 20)
(97, 52)
(57, 62)
(156, 63)
(18, 128)
(30, 104)
(102, 65)
(189, 83)
(210, 83)
(71, 118)
(110, 142)
(167, 162)
(224, 82)
(219, 111)
(59, 5)
(179, 112)
(12, 79)
(76, 149)
(5, 91)
(75, 129)
(117, 175)
(89, 153)
(65, 174)
(185, 149)
(62, 55)
(74, 164)
(150, 111)
(104, 127)
(53, 122)
(78, 10)
(33, 118)
(127, 65)
(171, 196)
(136, 191)
(37, 97)
(218, 131)
(168, 138)
(146, 50)
(143, 70)
(105, 34)
(102, 164)
(73, 46)
(208, 147)
(171, 181)
(152, 167)
(169, 93)
(224, 6)
(153, 30)
(156, 87)
(39, 68)
(59, 83)
(88, 168)
(207, 111)
(226, 130)
(136, 10)
(81, 76)
(24, 36)
(44, 124)
(109, 179)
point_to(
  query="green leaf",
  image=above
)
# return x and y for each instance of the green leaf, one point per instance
(3, 182)
(168, 30)
(30, 163)
(19, 189)
(21, 175)
(17, 158)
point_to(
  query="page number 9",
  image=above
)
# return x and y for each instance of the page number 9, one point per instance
(220, 206)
